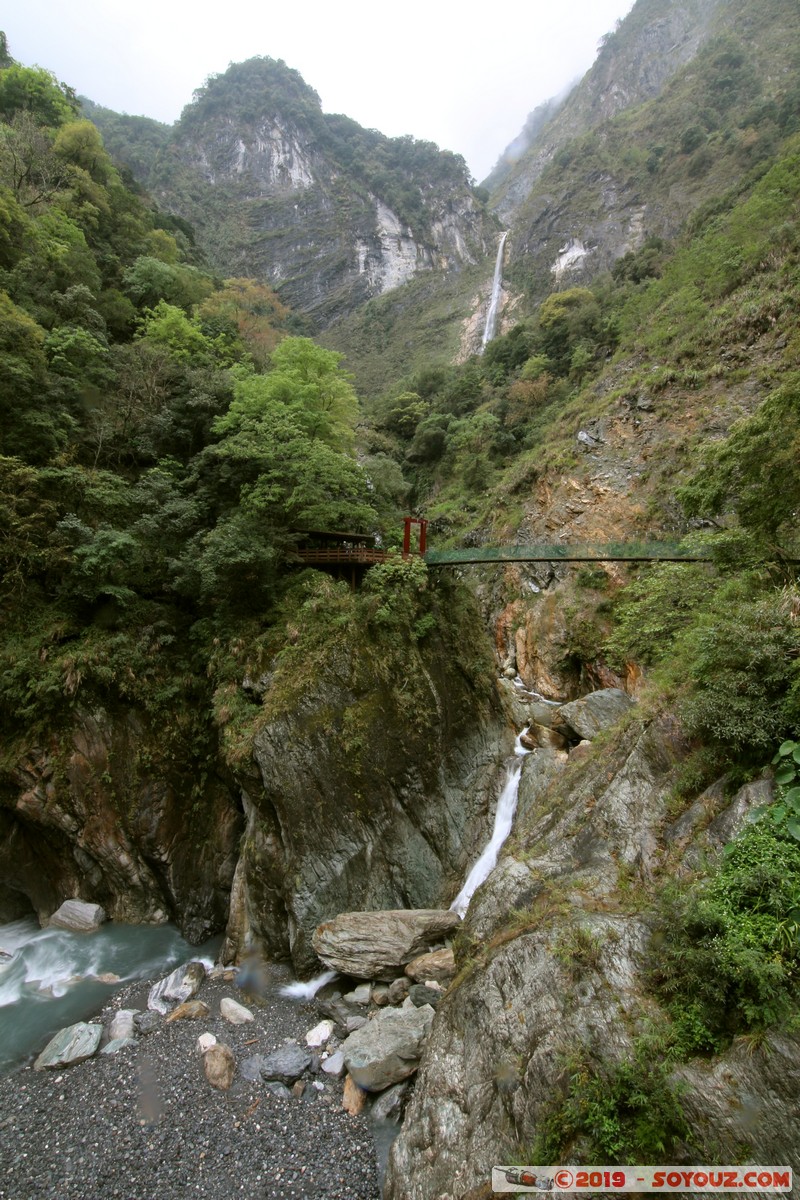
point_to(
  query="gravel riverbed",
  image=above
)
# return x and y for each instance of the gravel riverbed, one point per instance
(145, 1124)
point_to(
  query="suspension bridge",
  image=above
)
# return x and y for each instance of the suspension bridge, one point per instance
(339, 550)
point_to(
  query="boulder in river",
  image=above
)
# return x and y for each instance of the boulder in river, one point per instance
(78, 916)
(70, 1045)
(388, 1048)
(183, 983)
(377, 945)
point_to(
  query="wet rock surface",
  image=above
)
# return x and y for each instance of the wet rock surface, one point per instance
(377, 945)
(145, 1122)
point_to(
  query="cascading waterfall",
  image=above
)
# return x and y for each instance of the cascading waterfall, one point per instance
(497, 288)
(503, 819)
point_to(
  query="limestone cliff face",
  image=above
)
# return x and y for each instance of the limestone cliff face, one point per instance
(360, 802)
(94, 815)
(326, 212)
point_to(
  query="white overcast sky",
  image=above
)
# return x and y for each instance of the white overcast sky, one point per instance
(464, 76)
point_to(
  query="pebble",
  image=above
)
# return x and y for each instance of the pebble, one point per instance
(146, 1123)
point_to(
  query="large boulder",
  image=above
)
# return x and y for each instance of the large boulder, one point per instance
(388, 1048)
(596, 711)
(377, 945)
(70, 1045)
(78, 916)
(183, 983)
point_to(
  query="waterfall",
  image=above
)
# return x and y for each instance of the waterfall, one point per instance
(497, 287)
(307, 989)
(503, 818)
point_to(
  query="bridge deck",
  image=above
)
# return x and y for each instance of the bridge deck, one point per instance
(612, 552)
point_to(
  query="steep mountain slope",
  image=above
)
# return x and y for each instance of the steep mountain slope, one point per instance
(328, 213)
(635, 62)
(683, 101)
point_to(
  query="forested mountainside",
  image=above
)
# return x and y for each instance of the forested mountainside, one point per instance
(686, 102)
(627, 976)
(325, 211)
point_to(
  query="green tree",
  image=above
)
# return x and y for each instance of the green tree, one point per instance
(307, 382)
(34, 90)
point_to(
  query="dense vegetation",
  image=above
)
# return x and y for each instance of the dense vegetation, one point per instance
(161, 437)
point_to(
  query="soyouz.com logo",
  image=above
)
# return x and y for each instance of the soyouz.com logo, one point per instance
(642, 1179)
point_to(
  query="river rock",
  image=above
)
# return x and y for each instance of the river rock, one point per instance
(205, 1042)
(438, 964)
(183, 983)
(219, 1065)
(320, 1034)
(334, 1064)
(122, 1024)
(233, 1012)
(377, 945)
(421, 994)
(596, 711)
(389, 1104)
(118, 1044)
(286, 1064)
(380, 995)
(354, 1098)
(69, 1046)
(399, 989)
(251, 1068)
(79, 916)
(279, 1090)
(388, 1048)
(190, 1010)
(359, 995)
(146, 1022)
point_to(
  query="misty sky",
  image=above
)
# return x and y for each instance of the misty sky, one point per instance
(462, 76)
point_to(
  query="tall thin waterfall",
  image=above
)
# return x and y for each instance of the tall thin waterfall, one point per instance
(503, 820)
(497, 287)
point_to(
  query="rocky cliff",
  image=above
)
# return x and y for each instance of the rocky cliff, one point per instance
(366, 779)
(109, 811)
(372, 786)
(672, 113)
(328, 213)
(553, 986)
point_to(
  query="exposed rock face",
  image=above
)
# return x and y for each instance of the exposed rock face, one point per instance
(664, 35)
(377, 945)
(391, 827)
(567, 974)
(596, 711)
(279, 191)
(83, 816)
